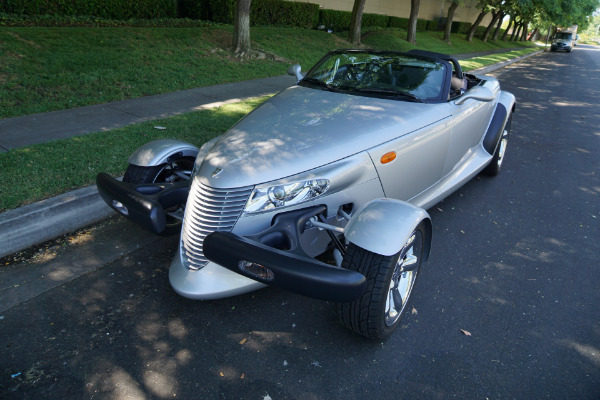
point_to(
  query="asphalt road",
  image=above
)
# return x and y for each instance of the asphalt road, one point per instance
(514, 263)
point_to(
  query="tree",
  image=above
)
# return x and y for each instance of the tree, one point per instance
(514, 32)
(534, 34)
(448, 29)
(497, 31)
(241, 29)
(355, 23)
(510, 24)
(518, 35)
(411, 36)
(496, 16)
(524, 35)
(484, 11)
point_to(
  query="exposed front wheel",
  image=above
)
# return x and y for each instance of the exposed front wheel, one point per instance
(175, 171)
(390, 281)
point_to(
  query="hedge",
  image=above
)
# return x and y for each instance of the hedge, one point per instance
(480, 30)
(268, 12)
(111, 9)
(460, 27)
(374, 20)
(194, 9)
(284, 13)
(422, 25)
(96, 22)
(335, 20)
(397, 22)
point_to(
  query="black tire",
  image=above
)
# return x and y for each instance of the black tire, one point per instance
(158, 174)
(373, 315)
(495, 165)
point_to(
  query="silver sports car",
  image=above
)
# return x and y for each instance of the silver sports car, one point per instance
(322, 190)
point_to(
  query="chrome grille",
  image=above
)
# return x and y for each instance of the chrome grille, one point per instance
(208, 210)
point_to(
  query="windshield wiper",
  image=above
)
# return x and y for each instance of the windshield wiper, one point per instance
(319, 82)
(390, 92)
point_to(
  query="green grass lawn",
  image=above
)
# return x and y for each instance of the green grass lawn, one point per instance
(48, 69)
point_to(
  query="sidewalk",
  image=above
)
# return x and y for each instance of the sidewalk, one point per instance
(47, 219)
(39, 128)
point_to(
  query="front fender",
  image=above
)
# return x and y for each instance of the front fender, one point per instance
(383, 226)
(162, 151)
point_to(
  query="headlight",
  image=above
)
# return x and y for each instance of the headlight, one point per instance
(265, 197)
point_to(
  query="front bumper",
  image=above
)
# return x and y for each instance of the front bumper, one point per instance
(283, 269)
(561, 46)
(144, 204)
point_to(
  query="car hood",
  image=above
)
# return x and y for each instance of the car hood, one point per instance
(301, 128)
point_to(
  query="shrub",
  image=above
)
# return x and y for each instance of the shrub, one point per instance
(194, 9)
(96, 22)
(460, 27)
(111, 9)
(222, 11)
(375, 20)
(284, 13)
(480, 30)
(397, 22)
(335, 20)
(422, 25)
(268, 12)
(432, 25)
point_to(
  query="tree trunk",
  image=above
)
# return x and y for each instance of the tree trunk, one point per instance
(524, 37)
(241, 29)
(514, 32)
(497, 31)
(411, 36)
(510, 23)
(475, 25)
(491, 25)
(355, 23)
(449, 19)
(518, 35)
(534, 34)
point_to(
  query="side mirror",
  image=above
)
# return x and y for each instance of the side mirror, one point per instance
(477, 93)
(294, 70)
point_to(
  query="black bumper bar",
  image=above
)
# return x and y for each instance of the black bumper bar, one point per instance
(283, 269)
(144, 204)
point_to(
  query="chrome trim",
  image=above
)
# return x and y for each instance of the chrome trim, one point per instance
(208, 210)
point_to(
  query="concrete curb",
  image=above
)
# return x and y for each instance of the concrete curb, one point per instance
(500, 65)
(47, 219)
(36, 223)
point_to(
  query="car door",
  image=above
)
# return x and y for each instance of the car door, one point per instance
(469, 123)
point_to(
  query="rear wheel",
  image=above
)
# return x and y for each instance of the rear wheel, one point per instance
(175, 171)
(494, 166)
(390, 281)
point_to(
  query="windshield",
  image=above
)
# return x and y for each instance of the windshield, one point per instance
(400, 76)
(563, 35)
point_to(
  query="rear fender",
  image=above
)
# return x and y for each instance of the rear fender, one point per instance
(505, 107)
(162, 151)
(383, 226)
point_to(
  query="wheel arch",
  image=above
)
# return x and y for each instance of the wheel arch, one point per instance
(384, 225)
(506, 106)
(162, 151)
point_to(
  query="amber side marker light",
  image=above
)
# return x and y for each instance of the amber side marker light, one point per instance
(388, 157)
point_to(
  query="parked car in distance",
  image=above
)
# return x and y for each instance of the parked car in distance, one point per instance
(323, 189)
